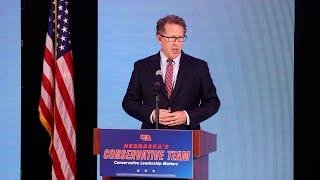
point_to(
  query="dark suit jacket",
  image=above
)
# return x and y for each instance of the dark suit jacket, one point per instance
(194, 92)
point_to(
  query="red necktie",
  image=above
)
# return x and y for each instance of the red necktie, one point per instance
(169, 77)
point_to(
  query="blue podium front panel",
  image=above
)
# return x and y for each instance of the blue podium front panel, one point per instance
(146, 153)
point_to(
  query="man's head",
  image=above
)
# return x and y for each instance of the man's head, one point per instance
(171, 32)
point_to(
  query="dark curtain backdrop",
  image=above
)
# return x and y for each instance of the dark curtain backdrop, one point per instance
(306, 90)
(35, 160)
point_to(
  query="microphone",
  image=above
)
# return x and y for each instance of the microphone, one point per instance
(159, 73)
(156, 88)
(157, 84)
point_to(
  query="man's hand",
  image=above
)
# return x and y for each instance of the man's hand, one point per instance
(166, 117)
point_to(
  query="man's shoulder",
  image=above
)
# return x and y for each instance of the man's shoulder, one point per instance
(192, 59)
(149, 59)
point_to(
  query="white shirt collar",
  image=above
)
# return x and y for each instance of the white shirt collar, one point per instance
(164, 58)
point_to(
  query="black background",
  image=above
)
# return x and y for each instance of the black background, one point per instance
(306, 91)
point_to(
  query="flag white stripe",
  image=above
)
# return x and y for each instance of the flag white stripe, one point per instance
(53, 174)
(66, 119)
(49, 43)
(46, 99)
(47, 71)
(66, 76)
(65, 167)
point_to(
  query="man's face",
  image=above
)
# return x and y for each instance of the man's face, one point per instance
(171, 49)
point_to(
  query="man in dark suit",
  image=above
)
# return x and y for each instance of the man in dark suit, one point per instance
(187, 93)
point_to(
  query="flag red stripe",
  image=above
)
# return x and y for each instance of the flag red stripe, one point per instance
(70, 154)
(46, 113)
(56, 165)
(69, 62)
(66, 97)
(48, 58)
(46, 84)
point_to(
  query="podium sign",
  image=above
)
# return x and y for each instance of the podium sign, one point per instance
(146, 153)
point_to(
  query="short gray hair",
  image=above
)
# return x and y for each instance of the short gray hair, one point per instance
(170, 19)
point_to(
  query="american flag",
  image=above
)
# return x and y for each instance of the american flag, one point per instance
(57, 103)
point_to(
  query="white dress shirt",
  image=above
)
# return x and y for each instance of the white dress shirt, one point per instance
(163, 66)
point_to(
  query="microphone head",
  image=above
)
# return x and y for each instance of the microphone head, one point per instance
(156, 87)
(159, 73)
(157, 84)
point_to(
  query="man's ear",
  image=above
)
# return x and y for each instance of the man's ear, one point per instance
(158, 38)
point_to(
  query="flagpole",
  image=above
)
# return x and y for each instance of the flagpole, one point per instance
(54, 54)
(55, 29)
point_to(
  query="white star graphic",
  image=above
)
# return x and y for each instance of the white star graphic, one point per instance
(65, 20)
(61, 47)
(64, 29)
(63, 38)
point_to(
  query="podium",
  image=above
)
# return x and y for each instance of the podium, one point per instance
(202, 142)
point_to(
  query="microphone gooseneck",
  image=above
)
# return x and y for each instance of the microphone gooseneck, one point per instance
(156, 89)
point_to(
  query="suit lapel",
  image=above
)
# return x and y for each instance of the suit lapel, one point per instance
(181, 75)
